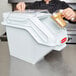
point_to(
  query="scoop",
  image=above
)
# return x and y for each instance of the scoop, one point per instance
(59, 18)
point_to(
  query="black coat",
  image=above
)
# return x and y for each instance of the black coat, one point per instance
(51, 7)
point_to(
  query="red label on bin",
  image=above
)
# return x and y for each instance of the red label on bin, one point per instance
(63, 40)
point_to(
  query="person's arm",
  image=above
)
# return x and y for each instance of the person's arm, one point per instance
(69, 14)
(68, 11)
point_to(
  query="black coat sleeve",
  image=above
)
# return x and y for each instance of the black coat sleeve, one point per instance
(34, 5)
(64, 5)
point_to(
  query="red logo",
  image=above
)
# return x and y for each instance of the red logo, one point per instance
(63, 40)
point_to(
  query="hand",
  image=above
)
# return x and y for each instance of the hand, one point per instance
(21, 6)
(68, 13)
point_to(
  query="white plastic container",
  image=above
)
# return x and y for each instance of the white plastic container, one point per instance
(33, 35)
